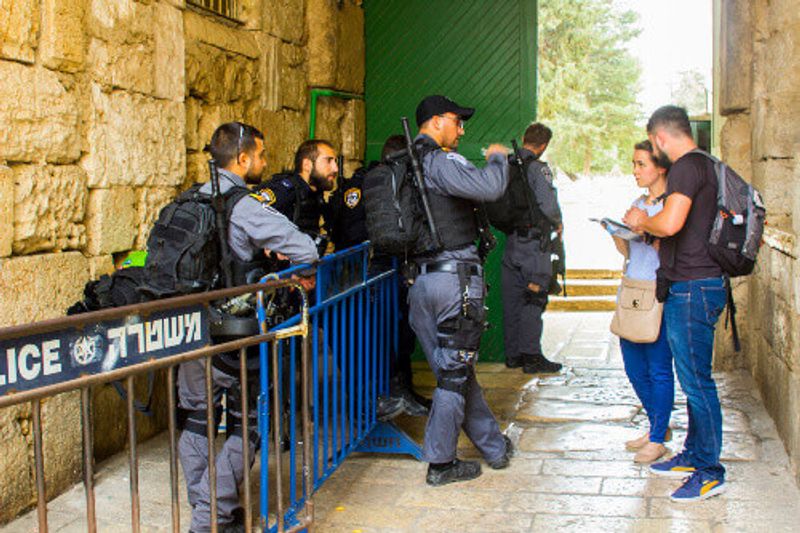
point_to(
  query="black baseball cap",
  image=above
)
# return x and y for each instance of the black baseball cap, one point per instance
(437, 105)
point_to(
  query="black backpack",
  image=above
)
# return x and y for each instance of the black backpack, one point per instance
(183, 250)
(517, 208)
(396, 222)
(736, 234)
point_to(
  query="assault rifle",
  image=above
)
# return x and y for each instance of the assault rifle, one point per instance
(416, 174)
(218, 202)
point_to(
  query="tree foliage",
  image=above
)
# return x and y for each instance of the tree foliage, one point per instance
(588, 83)
(690, 92)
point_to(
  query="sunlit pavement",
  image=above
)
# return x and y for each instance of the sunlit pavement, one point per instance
(571, 471)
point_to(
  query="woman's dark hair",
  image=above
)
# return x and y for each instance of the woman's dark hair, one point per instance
(659, 161)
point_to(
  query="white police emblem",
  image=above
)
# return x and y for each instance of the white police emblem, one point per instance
(352, 197)
(455, 156)
(85, 350)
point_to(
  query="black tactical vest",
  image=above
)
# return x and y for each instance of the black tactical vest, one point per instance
(455, 220)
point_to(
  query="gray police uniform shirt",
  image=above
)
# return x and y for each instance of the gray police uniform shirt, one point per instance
(451, 174)
(254, 225)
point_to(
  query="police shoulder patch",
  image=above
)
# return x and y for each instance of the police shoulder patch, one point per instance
(351, 197)
(265, 196)
(547, 173)
(455, 156)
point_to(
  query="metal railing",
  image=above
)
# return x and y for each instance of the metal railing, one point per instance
(77, 352)
(328, 363)
(224, 8)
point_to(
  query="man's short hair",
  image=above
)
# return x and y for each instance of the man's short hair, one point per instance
(671, 118)
(537, 134)
(394, 143)
(308, 150)
(231, 139)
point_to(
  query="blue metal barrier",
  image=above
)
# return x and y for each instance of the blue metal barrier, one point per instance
(353, 328)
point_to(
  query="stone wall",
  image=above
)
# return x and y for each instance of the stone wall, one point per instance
(105, 108)
(759, 102)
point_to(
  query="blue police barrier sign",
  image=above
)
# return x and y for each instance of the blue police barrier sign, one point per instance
(31, 362)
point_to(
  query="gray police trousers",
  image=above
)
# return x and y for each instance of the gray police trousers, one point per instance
(433, 299)
(523, 263)
(193, 450)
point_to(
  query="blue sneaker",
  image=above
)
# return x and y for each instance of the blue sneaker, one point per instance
(698, 487)
(677, 467)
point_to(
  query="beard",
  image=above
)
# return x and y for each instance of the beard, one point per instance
(321, 182)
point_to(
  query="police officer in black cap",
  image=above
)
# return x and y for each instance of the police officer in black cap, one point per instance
(447, 299)
(300, 195)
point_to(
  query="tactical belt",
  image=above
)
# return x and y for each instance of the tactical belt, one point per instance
(450, 267)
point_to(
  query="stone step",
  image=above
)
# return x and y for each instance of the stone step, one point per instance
(592, 287)
(581, 303)
(587, 273)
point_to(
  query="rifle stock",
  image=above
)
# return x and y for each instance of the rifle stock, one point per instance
(416, 168)
(218, 201)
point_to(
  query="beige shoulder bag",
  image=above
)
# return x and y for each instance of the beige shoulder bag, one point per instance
(637, 317)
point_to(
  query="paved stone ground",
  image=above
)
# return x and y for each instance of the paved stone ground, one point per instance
(571, 472)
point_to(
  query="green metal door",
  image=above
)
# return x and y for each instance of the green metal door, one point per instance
(480, 53)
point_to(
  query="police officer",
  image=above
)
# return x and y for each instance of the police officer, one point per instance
(254, 228)
(446, 300)
(527, 268)
(300, 195)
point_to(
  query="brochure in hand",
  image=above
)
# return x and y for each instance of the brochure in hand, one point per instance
(617, 229)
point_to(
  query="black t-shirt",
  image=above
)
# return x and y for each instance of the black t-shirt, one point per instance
(684, 256)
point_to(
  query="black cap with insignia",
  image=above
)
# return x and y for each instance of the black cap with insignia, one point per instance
(436, 104)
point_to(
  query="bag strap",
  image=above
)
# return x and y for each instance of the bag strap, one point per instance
(730, 315)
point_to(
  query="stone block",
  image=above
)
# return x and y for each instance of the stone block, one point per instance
(122, 65)
(781, 15)
(196, 169)
(269, 72)
(331, 120)
(111, 220)
(736, 144)
(62, 441)
(6, 210)
(63, 37)
(283, 132)
(353, 132)
(204, 29)
(292, 77)
(100, 265)
(775, 132)
(134, 140)
(322, 43)
(169, 65)
(350, 49)
(285, 19)
(40, 124)
(736, 54)
(773, 178)
(216, 76)
(50, 202)
(19, 26)
(17, 486)
(149, 201)
(37, 287)
(193, 109)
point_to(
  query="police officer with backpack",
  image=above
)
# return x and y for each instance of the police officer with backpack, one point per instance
(254, 228)
(527, 268)
(446, 300)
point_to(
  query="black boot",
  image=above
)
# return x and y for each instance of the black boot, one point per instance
(536, 363)
(513, 361)
(444, 473)
(501, 463)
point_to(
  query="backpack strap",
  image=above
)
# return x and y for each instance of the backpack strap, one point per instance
(730, 315)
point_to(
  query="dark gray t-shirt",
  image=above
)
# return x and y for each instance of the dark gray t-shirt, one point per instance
(684, 256)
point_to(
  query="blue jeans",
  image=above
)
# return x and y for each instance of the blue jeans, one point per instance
(649, 369)
(691, 312)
